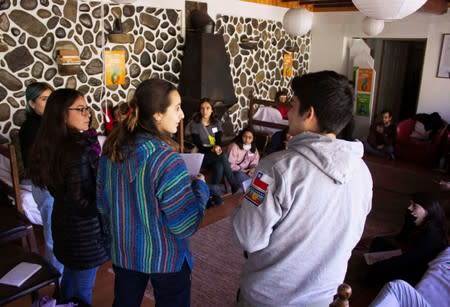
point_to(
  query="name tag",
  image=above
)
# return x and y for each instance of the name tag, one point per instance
(214, 130)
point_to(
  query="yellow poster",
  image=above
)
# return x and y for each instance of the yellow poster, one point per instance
(287, 65)
(115, 67)
(364, 80)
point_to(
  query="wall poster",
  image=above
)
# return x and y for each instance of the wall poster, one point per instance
(364, 91)
(287, 65)
(444, 58)
(115, 71)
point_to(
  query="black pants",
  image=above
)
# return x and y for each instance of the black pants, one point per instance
(220, 167)
(170, 289)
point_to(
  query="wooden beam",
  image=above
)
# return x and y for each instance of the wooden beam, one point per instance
(438, 7)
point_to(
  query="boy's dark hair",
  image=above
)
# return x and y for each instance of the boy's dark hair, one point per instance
(386, 111)
(331, 96)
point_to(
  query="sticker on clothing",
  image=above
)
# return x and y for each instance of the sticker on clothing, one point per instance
(258, 188)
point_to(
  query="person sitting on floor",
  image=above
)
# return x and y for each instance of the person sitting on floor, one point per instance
(243, 155)
(206, 132)
(381, 139)
(423, 236)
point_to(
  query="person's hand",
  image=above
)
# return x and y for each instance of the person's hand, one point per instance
(251, 172)
(217, 149)
(380, 146)
(199, 177)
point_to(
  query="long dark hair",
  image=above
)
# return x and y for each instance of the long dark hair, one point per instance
(238, 139)
(435, 213)
(151, 97)
(197, 117)
(51, 141)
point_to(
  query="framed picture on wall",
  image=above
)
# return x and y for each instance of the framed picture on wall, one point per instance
(115, 71)
(444, 58)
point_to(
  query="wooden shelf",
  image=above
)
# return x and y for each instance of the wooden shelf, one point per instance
(67, 57)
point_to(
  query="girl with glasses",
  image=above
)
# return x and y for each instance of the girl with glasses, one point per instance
(65, 162)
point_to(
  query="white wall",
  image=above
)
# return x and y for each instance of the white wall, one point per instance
(331, 31)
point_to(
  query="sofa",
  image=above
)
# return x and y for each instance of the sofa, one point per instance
(426, 152)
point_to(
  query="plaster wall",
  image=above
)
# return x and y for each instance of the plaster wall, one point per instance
(332, 31)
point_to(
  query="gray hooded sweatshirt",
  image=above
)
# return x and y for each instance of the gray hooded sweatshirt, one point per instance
(300, 219)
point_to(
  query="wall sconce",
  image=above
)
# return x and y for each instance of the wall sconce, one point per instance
(116, 35)
(249, 43)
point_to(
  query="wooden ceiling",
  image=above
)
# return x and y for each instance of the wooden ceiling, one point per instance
(431, 6)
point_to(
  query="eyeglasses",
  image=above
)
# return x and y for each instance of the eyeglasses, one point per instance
(82, 110)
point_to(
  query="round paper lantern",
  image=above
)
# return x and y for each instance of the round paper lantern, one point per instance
(297, 22)
(388, 9)
(372, 26)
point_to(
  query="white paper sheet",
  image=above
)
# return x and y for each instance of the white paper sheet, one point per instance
(193, 162)
(20, 274)
(246, 184)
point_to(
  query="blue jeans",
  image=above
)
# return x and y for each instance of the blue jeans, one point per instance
(399, 293)
(170, 289)
(78, 283)
(387, 152)
(44, 202)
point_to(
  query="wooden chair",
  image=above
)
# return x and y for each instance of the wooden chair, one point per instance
(262, 139)
(344, 292)
(13, 223)
(15, 226)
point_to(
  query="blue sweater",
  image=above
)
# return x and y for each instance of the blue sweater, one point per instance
(151, 206)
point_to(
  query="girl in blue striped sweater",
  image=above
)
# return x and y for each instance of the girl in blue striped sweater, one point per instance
(149, 200)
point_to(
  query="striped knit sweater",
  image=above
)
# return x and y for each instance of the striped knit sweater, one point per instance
(151, 206)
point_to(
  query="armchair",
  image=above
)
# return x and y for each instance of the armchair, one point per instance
(424, 152)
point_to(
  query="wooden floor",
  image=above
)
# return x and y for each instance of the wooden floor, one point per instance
(393, 182)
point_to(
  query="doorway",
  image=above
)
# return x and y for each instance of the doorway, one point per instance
(398, 64)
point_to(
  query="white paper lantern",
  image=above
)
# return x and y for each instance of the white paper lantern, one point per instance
(388, 9)
(297, 22)
(372, 26)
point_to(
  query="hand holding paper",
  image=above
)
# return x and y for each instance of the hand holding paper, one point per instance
(193, 162)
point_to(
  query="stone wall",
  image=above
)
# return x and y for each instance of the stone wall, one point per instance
(32, 29)
(259, 71)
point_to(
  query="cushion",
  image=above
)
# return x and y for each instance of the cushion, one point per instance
(419, 132)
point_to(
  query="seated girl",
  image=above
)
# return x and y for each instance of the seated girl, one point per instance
(243, 155)
(206, 133)
(422, 238)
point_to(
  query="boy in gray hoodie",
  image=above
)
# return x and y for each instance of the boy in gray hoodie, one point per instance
(306, 207)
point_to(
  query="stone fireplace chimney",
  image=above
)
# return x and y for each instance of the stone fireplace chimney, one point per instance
(206, 68)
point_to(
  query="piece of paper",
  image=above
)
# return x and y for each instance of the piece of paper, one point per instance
(20, 274)
(246, 184)
(193, 162)
(371, 258)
